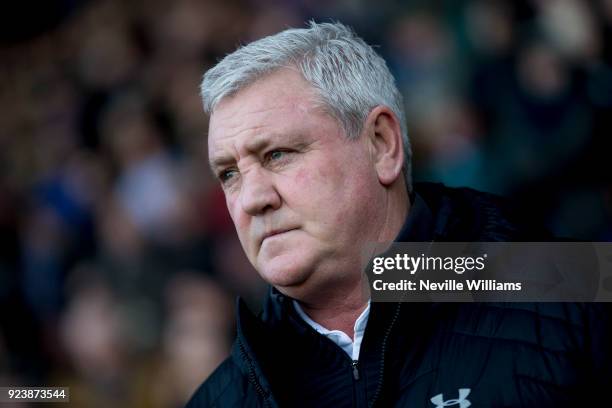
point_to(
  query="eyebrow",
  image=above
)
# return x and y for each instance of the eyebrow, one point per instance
(254, 145)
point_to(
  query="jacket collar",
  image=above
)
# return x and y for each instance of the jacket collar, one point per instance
(418, 226)
(248, 325)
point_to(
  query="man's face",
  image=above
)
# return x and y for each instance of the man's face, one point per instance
(302, 196)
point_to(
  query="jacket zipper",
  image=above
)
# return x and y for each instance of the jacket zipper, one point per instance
(383, 352)
(355, 370)
(253, 376)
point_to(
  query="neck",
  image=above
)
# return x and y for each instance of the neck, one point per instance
(340, 314)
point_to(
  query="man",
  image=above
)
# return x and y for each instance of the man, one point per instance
(308, 139)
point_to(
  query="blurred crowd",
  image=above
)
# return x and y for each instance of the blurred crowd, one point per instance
(118, 261)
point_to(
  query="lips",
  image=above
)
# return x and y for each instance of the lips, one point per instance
(275, 232)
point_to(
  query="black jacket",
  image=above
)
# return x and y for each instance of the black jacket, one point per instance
(425, 354)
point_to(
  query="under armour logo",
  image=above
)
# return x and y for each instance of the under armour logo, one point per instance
(439, 402)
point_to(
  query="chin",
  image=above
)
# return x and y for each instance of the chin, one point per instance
(285, 272)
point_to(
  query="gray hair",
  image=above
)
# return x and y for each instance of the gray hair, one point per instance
(350, 77)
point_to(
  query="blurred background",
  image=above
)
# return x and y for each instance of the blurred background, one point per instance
(118, 261)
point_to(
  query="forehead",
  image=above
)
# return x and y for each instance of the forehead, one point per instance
(278, 103)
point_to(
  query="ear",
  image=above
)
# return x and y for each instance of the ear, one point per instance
(385, 136)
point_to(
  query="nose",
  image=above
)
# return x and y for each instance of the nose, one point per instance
(258, 193)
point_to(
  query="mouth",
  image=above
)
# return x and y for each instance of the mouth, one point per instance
(274, 233)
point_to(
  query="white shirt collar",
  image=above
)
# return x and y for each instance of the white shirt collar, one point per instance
(351, 347)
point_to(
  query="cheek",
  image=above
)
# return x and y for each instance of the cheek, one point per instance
(340, 218)
(305, 188)
(303, 177)
(325, 192)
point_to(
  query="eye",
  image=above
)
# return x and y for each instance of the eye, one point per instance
(277, 157)
(276, 154)
(226, 175)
